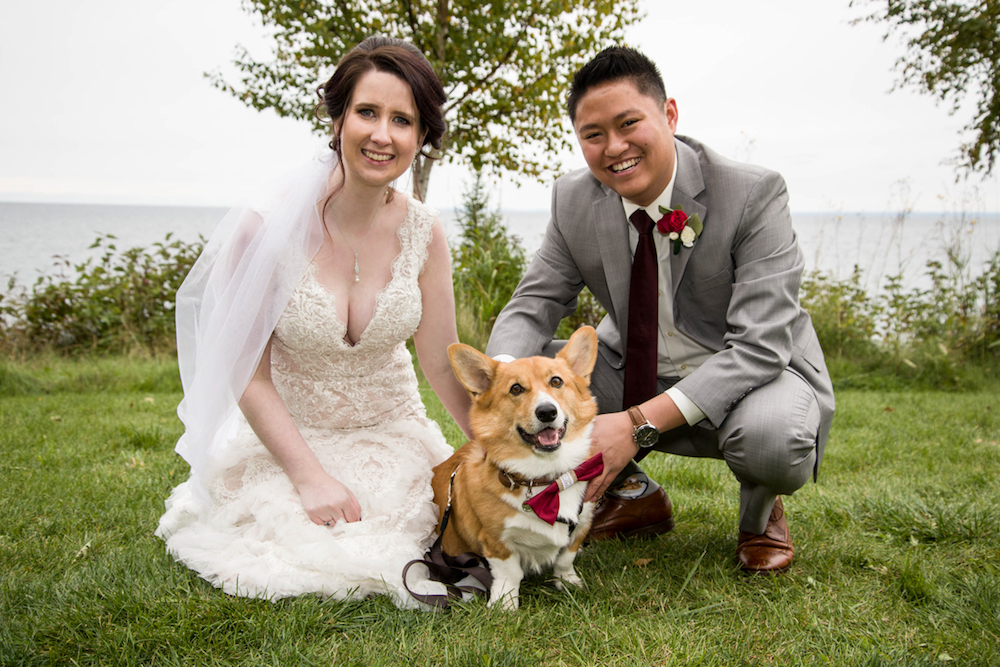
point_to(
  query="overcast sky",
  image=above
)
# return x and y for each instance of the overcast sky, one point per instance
(105, 101)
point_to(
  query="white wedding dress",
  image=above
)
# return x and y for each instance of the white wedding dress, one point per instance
(359, 409)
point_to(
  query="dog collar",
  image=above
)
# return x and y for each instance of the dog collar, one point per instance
(512, 481)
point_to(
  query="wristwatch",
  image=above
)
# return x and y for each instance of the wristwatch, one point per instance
(644, 434)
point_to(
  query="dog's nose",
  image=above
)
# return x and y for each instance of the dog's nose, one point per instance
(546, 412)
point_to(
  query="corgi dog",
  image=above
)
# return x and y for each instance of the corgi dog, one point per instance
(532, 419)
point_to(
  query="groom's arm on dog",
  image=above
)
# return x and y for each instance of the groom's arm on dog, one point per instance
(612, 436)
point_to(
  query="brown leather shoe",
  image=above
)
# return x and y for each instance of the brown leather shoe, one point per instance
(771, 552)
(643, 517)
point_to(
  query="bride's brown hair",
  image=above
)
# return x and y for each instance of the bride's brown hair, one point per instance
(393, 56)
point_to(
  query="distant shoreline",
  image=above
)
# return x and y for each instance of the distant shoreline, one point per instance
(504, 210)
(35, 236)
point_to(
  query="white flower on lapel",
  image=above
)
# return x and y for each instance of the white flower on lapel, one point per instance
(688, 235)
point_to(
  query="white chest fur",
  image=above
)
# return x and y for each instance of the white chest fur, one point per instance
(536, 542)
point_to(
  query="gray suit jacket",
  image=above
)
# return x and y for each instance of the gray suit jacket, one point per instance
(735, 292)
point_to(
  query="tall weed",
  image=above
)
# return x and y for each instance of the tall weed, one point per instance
(844, 316)
(875, 338)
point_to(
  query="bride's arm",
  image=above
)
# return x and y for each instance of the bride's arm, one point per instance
(324, 498)
(437, 330)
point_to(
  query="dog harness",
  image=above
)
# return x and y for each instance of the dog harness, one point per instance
(449, 570)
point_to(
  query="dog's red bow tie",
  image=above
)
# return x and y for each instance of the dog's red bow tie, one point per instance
(546, 504)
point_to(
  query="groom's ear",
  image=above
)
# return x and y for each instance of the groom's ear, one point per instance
(670, 110)
(474, 370)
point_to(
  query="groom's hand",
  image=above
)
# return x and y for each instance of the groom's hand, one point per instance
(612, 436)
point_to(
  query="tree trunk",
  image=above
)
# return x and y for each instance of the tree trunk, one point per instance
(421, 176)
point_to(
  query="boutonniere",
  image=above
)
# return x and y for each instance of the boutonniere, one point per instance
(679, 227)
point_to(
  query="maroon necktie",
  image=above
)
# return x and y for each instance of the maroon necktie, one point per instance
(640, 348)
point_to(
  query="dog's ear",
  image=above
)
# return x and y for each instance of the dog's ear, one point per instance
(581, 352)
(472, 368)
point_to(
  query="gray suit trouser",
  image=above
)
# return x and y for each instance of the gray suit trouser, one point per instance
(768, 440)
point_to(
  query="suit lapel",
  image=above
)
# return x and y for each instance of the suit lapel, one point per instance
(611, 235)
(689, 185)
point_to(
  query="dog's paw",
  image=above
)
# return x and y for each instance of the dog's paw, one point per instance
(509, 602)
(571, 578)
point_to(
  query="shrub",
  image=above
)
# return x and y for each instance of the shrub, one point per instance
(488, 263)
(588, 312)
(924, 337)
(844, 316)
(121, 303)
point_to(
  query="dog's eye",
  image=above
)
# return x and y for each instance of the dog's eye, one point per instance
(556, 381)
(517, 390)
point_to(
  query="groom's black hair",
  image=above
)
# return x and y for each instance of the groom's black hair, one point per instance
(614, 64)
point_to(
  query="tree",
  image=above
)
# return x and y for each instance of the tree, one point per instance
(488, 262)
(953, 51)
(504, 65)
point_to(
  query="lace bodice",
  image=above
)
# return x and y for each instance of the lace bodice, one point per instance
(327, 383)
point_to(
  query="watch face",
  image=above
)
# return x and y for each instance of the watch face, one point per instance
(646, 436)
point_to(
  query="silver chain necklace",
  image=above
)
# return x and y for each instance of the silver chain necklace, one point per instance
(357, 270)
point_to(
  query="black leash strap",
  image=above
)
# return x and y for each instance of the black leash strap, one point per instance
(449, 570)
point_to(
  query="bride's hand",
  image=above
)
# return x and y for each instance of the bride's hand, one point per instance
(327, 501)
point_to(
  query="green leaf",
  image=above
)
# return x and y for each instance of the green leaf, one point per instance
(695, 223)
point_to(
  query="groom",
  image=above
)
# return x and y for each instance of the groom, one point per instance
(705, 350)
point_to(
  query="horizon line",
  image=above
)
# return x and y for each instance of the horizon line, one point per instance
(503, 210)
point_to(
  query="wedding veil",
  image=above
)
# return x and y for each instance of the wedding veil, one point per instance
(229, 303)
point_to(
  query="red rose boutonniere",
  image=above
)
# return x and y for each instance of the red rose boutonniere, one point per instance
(679, 227)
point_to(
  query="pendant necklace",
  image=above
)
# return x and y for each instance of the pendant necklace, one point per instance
(357, 270)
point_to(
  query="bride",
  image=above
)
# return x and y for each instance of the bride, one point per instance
(309, 447)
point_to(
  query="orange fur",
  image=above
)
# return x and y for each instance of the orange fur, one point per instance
(486, 517)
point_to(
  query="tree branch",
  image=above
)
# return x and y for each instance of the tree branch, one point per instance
(469, 90)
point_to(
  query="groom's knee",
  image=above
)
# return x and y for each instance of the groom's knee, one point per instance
(770, 437)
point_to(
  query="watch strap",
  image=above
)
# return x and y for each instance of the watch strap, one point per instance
(637, 417)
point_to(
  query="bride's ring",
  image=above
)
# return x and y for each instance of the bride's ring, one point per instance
(327, 523)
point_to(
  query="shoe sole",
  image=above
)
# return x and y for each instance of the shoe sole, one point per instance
(651, 530)
(645, 532)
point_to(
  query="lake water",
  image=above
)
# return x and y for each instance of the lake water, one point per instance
(38, 239)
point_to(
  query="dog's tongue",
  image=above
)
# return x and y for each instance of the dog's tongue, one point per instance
(548, 437)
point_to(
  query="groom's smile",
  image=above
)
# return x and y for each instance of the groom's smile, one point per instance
(627, 139)
(627, 164)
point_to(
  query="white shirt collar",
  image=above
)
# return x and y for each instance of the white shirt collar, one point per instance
(662, 200)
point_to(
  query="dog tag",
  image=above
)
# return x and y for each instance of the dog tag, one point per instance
(526, 507)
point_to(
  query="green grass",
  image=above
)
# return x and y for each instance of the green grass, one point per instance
(898, 552)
